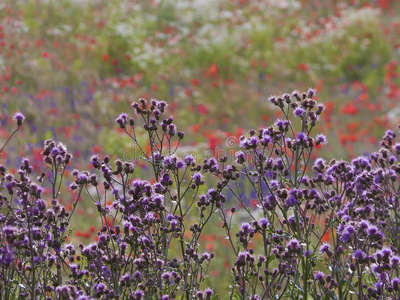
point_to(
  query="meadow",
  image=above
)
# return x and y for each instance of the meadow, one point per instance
(302, 206)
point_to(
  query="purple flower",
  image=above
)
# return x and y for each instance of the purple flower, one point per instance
(95, 161)
(299, 112)
(189, 159)
(123, 116)
(346, 236)
(121, 120)
(263, 223)
(378, 286)
(19, 118)
(246, 227)
(321, 108)
(395, 261)
(294, 246)
(179, 164)
(166, 277)
(161, 105)
(374, 233)
(206, 256)
(273, 100)
(296, 94)
(252, 142)
(396, 283)
(126, 278)
(364, 224)
(137, 275)
(301, 136)
(99, 287)
(170, 162)
(310, 93)
(138, 295)
(82, 178)
(321, 139)
(197, 178)
(6, 255)
(241, 260)
(325, 248)
(290, 201)
(240, 157)
(181, 134)
(266, 140)
(319, 276)
(397, 148)
(208, 292)
(386, 252)
(279, 123)
(171, 129)
(359, 255)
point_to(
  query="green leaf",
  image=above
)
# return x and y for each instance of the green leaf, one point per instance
(298, 286)
(270, 258)
(284, 179)
(236, 295)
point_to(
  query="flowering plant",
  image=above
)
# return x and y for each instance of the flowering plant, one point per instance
(321, 229)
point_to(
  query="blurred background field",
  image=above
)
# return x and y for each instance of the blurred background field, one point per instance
(72, 66)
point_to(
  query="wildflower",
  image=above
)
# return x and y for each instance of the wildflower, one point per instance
(171, 129)
(397, 148)
(287, 98)
(181, 134)
(347, 234)
(189, 159)
(396, 283)
(266, 140)
(325, 249)
(310, 93)
(166, 276)
(272, 99)
(208, 292)
(241, 259)
(301, 137)
(137, 276)
(138, 295)
(240, 157)
(263, 223)
(319, 276)
(206, 256)
(294, 246)
(95, 161)
(200, 295)
(121, 120)
(197, 178)
(296, 94)
(321, 139)
(19, 118)
(320, 109)
(395, 261)
(252, 142)
(299, 112)
(359, 255)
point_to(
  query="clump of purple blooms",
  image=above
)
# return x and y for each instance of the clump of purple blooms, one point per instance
(320, 229)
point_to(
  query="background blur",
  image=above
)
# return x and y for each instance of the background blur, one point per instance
(72, 66)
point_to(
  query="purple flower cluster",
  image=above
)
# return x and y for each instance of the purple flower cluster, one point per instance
(317, 227)
(332, 227)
